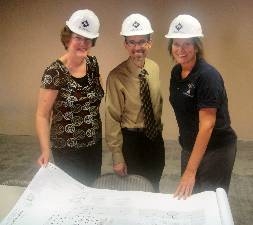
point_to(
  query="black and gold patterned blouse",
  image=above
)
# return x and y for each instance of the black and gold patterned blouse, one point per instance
(76, 120)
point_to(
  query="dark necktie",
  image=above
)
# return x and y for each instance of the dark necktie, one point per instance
(151, 127)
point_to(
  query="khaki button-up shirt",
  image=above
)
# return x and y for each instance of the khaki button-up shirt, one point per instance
(123, 103)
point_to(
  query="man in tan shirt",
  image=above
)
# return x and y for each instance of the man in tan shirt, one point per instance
(132, 151)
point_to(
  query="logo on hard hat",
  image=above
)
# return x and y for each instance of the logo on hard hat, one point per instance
(179, 26)
(85, 24)
(136, 24)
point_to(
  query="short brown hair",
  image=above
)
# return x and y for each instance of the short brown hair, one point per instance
(197, 44)
(148, 36)
(66, 34)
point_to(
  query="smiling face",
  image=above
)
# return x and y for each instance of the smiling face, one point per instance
(184, 51)
(138, 46)
(79, 46)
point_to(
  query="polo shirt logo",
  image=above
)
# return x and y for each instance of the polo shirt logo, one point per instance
(190, 90)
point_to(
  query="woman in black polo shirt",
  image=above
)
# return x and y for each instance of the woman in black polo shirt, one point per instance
(199, 100)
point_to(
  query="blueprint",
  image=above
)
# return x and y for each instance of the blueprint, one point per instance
(53, 197)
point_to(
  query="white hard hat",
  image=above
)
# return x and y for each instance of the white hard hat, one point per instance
(85, 23)
(136, 24)
(184, 26)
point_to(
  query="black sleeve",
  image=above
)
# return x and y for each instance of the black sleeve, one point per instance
(210, 89)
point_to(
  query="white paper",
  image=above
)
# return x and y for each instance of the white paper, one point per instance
(53, 198)
(225, 212)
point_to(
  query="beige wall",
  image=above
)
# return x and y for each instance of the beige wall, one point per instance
(30, 41)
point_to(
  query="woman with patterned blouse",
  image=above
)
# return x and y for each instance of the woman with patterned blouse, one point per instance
(67, 119)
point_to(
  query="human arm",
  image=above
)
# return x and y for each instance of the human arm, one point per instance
(113, 135)
(207, 118)
(43, 115)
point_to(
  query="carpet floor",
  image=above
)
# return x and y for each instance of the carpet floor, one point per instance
(18, 166)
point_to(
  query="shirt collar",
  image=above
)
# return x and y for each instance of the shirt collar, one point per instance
(133, 69)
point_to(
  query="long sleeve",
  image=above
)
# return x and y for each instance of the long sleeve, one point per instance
(113, 114)
(123, 103)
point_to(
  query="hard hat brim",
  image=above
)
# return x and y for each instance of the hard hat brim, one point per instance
(80, 32)
(182, 35)
(135, 33)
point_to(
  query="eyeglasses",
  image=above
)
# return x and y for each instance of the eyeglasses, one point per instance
(140, 43)
(82, 39)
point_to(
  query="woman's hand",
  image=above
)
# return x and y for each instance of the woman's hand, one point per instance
(43, 159)
(186, 184)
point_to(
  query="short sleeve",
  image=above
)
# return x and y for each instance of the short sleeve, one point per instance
(52, 77)
(209, 92)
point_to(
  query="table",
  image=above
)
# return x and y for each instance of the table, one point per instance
(9, 196)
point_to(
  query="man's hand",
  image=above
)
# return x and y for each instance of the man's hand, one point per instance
(120, 169)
